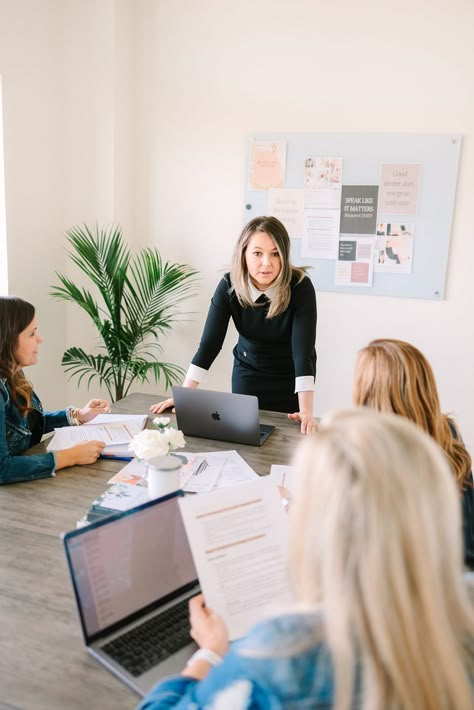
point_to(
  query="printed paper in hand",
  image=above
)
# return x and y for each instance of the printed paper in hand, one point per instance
(238, 538)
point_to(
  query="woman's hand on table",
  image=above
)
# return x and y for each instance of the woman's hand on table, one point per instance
(92, 409)
(160, 407)
(308, 423)
(79, 455)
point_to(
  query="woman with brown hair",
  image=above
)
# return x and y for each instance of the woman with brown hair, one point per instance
(394, 376)
(22, 419)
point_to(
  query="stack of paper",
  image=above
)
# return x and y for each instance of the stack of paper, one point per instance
(117, 430)
(200, 473)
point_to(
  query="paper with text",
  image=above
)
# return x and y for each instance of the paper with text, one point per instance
(115, 433)
(140, 419)
(283, 476)
(239, 538)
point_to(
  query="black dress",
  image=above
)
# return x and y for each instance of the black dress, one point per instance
(467, 507)
(269, 354)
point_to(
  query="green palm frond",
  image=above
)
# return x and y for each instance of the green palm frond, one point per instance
(155, 291)
(78, 363)
(104, 258)
(72, 293)
(139, 299)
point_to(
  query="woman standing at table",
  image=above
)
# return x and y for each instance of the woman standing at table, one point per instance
(382, 617)
(394, 376)
(22, 419)
(273, 307)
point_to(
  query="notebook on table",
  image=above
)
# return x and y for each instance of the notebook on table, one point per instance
(132, 575)
(223, 416)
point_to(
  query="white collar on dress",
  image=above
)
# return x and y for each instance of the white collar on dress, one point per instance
(255, 293)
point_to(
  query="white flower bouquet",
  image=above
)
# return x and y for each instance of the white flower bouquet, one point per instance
(151, 443)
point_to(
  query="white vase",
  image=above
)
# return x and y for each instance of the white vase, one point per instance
(163, 475)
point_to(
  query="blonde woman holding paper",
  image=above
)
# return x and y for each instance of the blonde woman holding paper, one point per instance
(382, 617)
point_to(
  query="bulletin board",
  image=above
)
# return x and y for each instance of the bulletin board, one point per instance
(363, 156)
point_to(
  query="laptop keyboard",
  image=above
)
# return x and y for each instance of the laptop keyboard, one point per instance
(153, 641)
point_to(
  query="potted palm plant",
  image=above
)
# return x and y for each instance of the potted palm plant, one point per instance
(138, 302)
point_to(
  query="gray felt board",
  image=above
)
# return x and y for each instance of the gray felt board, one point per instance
(363, 155)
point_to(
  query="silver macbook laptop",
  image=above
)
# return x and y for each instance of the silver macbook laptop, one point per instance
(220, 415)
(133, 574)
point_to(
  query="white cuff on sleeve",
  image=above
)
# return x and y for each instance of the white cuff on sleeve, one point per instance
(304, 383)
(198, 374)
(205, 654)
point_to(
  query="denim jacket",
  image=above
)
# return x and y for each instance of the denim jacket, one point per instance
(258, 672)
(15, 438)
(282, 664)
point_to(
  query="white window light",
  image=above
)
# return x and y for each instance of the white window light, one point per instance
(3, 222)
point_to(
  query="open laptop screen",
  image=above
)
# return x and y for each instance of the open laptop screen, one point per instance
(126, 564)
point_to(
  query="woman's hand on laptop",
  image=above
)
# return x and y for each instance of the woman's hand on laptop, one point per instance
(160, 407)
(308, 423)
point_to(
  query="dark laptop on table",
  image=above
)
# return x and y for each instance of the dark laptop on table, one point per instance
(223, 416)
(133, 574)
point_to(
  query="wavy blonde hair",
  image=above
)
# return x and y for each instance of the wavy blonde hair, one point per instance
(367, 546)
(394, 376)
(239, 272)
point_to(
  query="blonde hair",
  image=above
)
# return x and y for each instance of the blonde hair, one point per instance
(239, 272)
(394, 376)
(380, 550)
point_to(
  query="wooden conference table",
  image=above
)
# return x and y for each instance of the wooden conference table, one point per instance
(43, 661)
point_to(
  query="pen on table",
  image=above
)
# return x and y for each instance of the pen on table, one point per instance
(116, 458)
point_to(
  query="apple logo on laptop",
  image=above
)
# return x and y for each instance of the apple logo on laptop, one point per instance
(216, 416)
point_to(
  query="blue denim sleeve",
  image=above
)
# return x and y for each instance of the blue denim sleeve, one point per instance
(170, 693)
(55, 420)
(229, 684)
(21, 468)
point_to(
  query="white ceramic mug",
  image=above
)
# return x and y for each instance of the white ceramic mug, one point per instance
(163, 475)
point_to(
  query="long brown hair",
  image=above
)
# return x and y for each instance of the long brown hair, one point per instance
(239, 272)
(394, 376)
(15, 316)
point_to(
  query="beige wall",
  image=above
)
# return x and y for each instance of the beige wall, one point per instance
(139, 112)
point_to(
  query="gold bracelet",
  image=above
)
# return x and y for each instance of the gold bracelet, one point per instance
(73, 416)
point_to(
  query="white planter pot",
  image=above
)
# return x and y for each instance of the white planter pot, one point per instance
(163, 476)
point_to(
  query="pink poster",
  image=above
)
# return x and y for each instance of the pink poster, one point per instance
(267, 164)
(399, 187)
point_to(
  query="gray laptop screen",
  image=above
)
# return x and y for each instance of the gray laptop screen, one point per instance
(124, 566)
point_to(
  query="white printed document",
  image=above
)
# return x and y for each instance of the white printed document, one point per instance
(238, 538)
(114, 433)
(283, 476)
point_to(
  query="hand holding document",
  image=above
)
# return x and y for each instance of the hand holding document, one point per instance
(238, 538)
